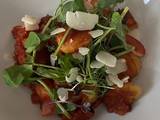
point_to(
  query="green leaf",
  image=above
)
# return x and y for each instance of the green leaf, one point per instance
(79, 5)
(15, 75)
(116, 22)
(32, 42)
(43, 37)
(68, 107)
(107, 3)
(66, 7)
(57, 74)
(29, 59)
(65, 62)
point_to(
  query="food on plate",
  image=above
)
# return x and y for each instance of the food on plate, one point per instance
(78, 58)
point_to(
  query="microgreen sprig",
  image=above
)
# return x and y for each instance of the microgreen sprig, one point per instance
(53, 98)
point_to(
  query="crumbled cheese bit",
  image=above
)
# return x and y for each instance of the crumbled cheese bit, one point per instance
(53, 59)
(29, 20)
(62, 94)
(81, 20)
(116, 80)
(31, 27)
(83, 51)
(96, 64)
(120, 67)
(57, 31)
(73, 73)
(30, 23)
(96, 33)
(106, 58)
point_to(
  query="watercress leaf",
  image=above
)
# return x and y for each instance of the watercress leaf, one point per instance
(107, 3)
(43, 37)
(116, 22)
(15, 75)
(66, 7)
(79, 5)
(32, 42)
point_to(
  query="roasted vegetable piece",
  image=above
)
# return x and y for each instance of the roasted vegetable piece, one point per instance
(43, 22)
(120, 100)
(80, 115)
(19, 35)
(47, 108)
(134, 65)
(35, 98)
(130, 21)
(74, 40)
(139, 48)
(42, 56)
(42, 93)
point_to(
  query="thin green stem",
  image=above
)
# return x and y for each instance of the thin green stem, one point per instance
(125, 52)
(45, 66)
(115, 48)
(62, 42)
(103, 27)
(88, 66)
(64, 111)
(103, 36)
(48, 23)
(107, 87)
(124, 12)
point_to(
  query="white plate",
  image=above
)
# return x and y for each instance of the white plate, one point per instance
(15, 104)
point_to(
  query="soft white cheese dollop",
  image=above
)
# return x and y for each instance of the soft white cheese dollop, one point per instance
(62, 94)
(81, 20)
(30, 23)
(96, 33)
(106, 58)
(57, 31)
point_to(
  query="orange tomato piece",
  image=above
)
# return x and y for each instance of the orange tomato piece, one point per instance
(74, 41)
